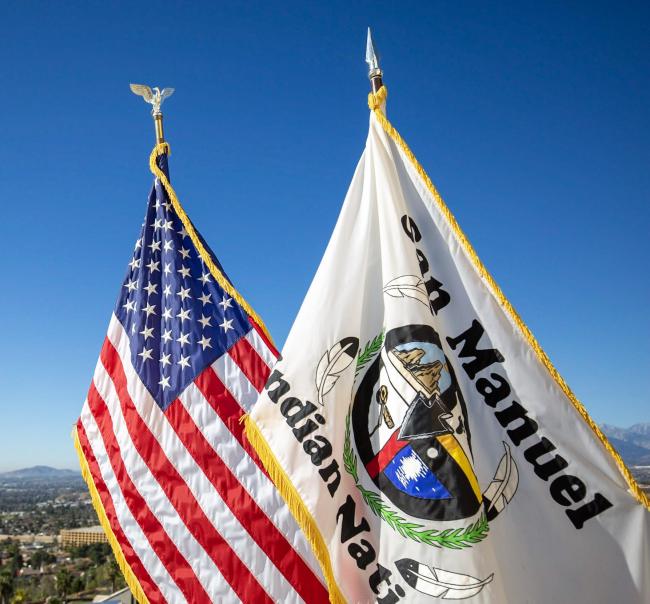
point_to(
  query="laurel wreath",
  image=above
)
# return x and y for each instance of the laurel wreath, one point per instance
(458, 538)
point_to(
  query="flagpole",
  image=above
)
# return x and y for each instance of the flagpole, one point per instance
(158, 122)
(375, 73)
(155, 97)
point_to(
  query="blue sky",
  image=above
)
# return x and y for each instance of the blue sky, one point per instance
(531, 118)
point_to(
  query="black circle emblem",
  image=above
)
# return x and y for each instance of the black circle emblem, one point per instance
(411, 429)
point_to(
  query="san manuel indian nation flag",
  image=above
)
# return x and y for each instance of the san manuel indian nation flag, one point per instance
(420, 434)
(189, 511)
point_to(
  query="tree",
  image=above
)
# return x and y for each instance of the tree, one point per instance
(20, 597)
(6, 585)
(63, 583)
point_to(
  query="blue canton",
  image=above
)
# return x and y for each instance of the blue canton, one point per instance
(178, 319)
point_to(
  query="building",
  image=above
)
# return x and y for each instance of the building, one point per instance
(82, 536)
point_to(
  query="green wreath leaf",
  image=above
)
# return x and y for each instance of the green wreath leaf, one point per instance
(369, 352)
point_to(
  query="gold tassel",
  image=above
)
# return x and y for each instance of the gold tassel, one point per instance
(375, 101)
(164, 148)
(296, 505)
(129, 576)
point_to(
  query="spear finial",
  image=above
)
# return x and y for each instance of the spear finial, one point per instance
(155, 98)
(372, 58)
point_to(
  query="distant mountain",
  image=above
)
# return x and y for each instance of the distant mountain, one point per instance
(40, 473)
(638, 434)
(632, 454)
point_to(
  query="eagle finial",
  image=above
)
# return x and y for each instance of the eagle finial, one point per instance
(154, 97)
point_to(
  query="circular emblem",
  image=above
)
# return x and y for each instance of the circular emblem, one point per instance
(411, 428)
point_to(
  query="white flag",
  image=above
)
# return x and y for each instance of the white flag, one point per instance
(420, 435)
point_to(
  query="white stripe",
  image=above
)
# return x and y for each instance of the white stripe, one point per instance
(208, 498)
(127, 522)
(204, 568)
(258, 485)
(237, 383)
(256, 341)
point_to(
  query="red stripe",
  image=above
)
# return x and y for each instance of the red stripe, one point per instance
(232, 568)
(144, 578)
(264, 337)
(175, 563)
(272, 542)
(251, 363)
(385, 455)
(227, 408)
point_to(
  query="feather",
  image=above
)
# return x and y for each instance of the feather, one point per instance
(408, 286)
(438, 582)
(503, 486)
(333, 363)
(142, 90)
(166, 93)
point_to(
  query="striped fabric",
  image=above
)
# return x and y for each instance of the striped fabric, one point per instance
(193, 515)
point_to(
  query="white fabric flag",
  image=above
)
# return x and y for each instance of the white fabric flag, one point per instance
(420, 435)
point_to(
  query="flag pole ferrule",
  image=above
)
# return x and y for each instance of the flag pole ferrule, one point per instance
(158, 122)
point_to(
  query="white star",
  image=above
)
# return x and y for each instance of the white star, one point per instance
(131, 285)
(168, 268)
(164, 359)
(157, 204)
(167, 246)
(152, 288)
(156, 224)
(226, 303)
(205, 277)
(146, 354)
(138, 243)
(182, 232)
(183, 252)
(155, 246)
(184, 271)
(149, 309)
(184, 292)
(226, 324)
(205, 321)
(168, 206)
(184, 362)
(167, 290)
(205, 298)
(154, 266)
(184, 314)
(164, 381)
(167, 225)
(167, 335)
(130, 305)
(133, 328)
(147, 332)
(167, 313)
(135, 263)
(205, 342)
(184, 338)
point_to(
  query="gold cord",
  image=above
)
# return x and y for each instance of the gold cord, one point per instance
(163, 148)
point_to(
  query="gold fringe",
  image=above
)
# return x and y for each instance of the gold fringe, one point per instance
(296, 506)
(163, 148)
(129, 575)
(375, 102)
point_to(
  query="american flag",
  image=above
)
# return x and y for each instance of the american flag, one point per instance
(190, 512)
